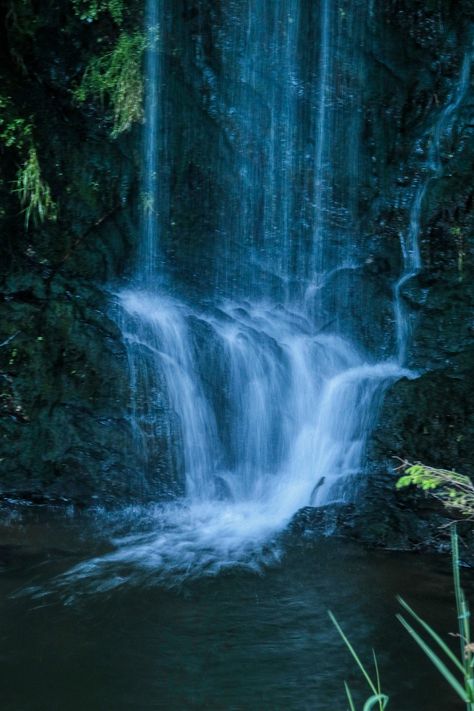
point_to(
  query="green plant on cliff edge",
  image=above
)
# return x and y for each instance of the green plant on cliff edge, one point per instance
(33, 191)
(116, 79)
(16, 133)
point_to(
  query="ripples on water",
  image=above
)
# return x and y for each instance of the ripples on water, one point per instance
(236, 640)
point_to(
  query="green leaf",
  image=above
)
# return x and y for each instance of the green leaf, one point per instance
(415, 470)
(403, 481)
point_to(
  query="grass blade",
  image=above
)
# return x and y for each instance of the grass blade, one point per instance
(439, 664)
(464, 625)
(381, 700)
(353, 652)
(349, 697)
(456, 565)
(377, 674)
(434, 635)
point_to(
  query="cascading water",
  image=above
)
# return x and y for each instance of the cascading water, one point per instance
(151, 184)
(261, 392)
(434, 166)
(260, 95)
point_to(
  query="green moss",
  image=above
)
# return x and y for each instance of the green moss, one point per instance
(115, 79)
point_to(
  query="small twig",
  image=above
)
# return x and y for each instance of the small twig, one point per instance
(8, 340)
(404, 463)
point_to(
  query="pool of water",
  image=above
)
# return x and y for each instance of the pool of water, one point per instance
(241, 639)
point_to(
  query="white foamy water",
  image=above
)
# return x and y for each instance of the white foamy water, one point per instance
(291, 431)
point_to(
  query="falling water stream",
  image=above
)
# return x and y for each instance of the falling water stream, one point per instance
(270, 396)
(437, 134)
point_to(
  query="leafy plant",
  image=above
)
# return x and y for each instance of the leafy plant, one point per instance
(91, 9)
(15, 131)
(33, 191)
(116, 79)
(455, 491)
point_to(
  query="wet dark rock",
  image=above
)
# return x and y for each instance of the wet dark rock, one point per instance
(398, 522)
(65, 368)
(430, 419)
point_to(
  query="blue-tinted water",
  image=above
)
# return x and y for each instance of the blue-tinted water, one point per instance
(239, 640)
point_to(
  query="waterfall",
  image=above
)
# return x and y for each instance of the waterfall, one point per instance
(261, 90)
(258, 398)
(439, 132)
(149, 244)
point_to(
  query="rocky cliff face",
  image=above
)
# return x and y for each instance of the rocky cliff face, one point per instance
(64, 386)
(64, 399)
(431, 418)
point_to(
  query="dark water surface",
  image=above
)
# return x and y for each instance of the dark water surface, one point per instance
(240, 640)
